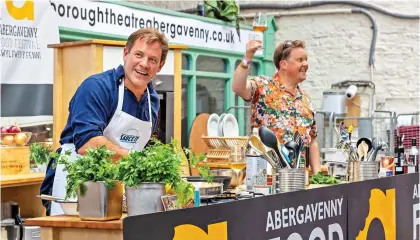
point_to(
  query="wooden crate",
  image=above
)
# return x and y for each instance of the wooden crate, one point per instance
(14, 160)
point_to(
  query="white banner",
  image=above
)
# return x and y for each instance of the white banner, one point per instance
(27, 27)
(111, 18)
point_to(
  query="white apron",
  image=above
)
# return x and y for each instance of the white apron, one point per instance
(123, 130)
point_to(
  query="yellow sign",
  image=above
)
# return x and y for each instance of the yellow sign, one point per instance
(20, 13)
(217, 231)
(382, 207)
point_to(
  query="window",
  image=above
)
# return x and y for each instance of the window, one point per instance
(210, 95)
(253, 70)
(211, 64)
(185, 62)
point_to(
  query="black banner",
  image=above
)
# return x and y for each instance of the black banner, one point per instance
(386, 208)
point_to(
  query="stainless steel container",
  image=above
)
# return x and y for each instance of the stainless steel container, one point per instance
(369, 170)
(290, 180)
(363, 170)
(100, 203)
(144, 198)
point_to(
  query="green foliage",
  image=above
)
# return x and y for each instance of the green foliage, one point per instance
(159, 163)
(319, 178)
(94, 166)
(39, 153)
(225, 10)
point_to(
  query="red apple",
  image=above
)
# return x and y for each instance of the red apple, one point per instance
(14, 129)
(3, 130)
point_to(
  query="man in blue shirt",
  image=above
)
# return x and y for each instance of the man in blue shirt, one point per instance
(117, 108)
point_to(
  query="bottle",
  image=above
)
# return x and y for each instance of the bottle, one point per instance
(413, 158)
(399, 163)
(256, 167)
(197, 199)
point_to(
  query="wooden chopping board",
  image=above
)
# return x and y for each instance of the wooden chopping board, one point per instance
(199, 129)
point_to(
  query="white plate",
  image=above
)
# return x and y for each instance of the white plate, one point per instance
(212, 125)
(230, 126)
(220, 125)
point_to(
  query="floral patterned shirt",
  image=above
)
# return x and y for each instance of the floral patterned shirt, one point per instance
(274, 107)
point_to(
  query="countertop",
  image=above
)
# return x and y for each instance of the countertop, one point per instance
(21, 179)
(63, 221)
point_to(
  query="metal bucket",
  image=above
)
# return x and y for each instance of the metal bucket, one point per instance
(100, 203)
(369, 170)
(363, 170)
(144, 198)
(290, 180)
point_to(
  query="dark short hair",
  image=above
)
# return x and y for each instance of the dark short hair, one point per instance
(152, 35)
(283, 50)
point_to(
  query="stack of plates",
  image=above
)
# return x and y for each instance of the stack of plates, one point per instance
(224, 126)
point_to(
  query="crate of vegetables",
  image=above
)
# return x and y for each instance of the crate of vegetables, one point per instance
(12, 136)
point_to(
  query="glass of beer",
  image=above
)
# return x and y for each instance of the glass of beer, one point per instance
(260, 22)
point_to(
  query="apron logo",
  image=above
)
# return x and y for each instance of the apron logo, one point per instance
(128, 138)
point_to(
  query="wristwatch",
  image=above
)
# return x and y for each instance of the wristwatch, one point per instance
(245, 63)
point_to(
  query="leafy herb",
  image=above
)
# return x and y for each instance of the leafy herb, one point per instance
(204, 171)
(39, 153)
(159, 163)
(94, 166)
(319, 178)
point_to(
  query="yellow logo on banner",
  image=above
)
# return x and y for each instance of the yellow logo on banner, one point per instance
(217, 231)
(381, 207)
(20, 13)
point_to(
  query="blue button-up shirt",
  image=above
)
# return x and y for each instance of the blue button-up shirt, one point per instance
(95, 102)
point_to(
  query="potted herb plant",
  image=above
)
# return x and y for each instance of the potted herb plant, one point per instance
(39, 155)
(146, 173)
(92, 178)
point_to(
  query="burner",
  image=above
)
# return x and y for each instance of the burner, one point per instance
(228, 197)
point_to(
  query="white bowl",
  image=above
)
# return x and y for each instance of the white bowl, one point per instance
(69, 208)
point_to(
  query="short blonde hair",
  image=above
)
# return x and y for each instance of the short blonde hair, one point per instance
(152, 35)
(283, 50)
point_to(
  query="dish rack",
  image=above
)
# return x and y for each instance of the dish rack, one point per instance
(220, 147)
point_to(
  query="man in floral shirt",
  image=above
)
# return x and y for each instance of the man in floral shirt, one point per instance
(278, 102)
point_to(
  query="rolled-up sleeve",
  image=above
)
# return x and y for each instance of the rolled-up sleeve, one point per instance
(89, 111)
(254, 90)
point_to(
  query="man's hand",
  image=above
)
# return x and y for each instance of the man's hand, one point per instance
(252, 47)
(101, 140)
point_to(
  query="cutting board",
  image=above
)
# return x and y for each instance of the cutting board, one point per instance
(198, 129)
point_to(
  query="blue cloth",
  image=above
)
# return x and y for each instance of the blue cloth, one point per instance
(92, 108)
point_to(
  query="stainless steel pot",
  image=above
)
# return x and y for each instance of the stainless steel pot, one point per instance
(144, 198)
(100, 203)
(208, 190)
